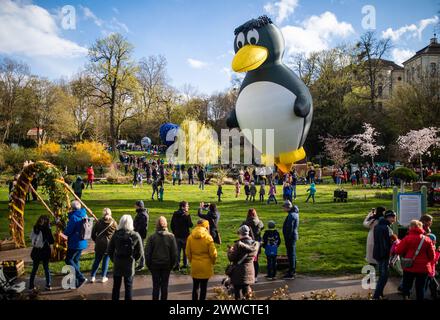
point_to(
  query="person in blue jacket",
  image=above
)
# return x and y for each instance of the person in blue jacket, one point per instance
(75, 245)
(290, 232)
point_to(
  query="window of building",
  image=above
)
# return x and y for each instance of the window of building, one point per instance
(433, 69)
(380, 90)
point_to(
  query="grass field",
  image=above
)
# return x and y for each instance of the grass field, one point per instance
(332, 238)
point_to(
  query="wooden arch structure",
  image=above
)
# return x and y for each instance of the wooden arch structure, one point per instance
(52, 181)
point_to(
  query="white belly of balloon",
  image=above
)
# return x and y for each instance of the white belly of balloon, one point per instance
(267, 105)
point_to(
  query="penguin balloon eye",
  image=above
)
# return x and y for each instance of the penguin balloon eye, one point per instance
(253, 36)
(240, 40)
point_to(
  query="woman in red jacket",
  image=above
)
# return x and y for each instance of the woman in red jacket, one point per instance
(422, 265)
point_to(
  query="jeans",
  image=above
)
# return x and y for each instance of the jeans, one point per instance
(294, 191)
(271, 266)
(35, 265)
(142, 258)
(128, 284)
(291, 255)
(72, 259)
(384, 271)
(201, 284)
(181, 246)
(272, 197)
(202, 185)
(311, 196)
(408, 281)
(105, 261)
(160, 283)
(241, 291)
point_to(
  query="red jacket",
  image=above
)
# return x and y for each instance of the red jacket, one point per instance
(90, 173)
(408, 246)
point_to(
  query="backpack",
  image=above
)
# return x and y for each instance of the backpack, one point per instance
(271, 248)
(37, 239)
(124, 246)
(86, 229)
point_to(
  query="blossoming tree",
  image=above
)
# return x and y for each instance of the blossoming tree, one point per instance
(418, 142)
(334, 148)
(366, 142)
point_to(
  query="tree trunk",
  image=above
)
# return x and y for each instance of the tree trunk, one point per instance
(112, 128)
(421, 169)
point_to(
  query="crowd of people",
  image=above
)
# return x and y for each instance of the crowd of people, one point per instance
(129, 247)
(415, 256)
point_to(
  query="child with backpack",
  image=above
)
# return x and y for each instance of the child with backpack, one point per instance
(271, 242)
(219, 192)
(312, 192)
(247, 190)
(41, 238)
(253, 191)
(262, 191)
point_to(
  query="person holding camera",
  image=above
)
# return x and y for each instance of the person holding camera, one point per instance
(213, 217)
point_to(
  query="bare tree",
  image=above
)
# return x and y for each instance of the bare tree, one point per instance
(370, 63)
(14, 76)
(113, 72)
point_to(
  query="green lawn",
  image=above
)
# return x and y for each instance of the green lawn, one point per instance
(332, 238)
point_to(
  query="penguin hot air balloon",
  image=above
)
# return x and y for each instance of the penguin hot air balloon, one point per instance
(271, 96)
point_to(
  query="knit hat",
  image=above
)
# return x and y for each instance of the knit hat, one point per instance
(140, 203)
(432, 237)
(390, 213)
(203, 223)
(244, 230)
(287, 204)
(271, 224)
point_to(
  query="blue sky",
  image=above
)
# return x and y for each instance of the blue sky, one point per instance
(196, 36)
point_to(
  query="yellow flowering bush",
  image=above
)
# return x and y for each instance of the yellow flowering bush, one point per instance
(92, 152)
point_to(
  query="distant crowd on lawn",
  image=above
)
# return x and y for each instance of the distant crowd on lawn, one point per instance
(126, 244)
(414, 256)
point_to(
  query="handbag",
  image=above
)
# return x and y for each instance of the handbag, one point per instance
(408, 262)
(231, 267)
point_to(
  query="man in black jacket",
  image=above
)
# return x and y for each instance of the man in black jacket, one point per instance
(381, 251)
(180, 226)
(290, 232)
(140, 225)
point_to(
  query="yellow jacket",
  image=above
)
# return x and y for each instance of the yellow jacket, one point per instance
(201, 253)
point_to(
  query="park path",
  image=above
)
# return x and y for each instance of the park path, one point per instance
(181, 285)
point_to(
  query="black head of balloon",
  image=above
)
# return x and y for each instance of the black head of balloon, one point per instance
(260, 32)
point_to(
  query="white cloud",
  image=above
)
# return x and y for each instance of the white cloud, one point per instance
(413, 30)
(89, 15)
(113, 25)
(315, 33)
(401, 55)
(196, 64)
(30, 30)
(281, 9)
(228, 72)
(115, 10)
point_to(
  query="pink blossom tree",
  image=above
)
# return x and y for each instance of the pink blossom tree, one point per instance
(366, 142)
(417, 143)
(334, 148)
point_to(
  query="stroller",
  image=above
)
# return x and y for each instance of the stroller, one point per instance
(9, 290)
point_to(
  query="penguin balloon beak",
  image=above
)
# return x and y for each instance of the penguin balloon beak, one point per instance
(249, 57)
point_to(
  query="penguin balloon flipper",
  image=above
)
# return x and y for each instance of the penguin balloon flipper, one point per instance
(232, 121)
(303, 105)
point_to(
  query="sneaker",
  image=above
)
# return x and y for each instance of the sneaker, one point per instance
(289, 277)
(93, 280)
(256, 280)
(48, 288)
(81, 283)
(104, 279)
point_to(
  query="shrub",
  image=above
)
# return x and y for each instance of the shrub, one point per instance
(14, 158)
(405, 174)
(49, 152)
(2, 157)
(91, 152)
